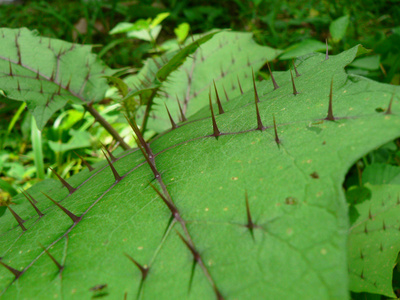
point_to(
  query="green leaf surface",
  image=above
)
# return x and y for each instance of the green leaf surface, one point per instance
(374, 241)
(47, 73)
(294, 246)
(381, 174)
(367, 63)
(338, 28)
(79, 139)
(156, 70)
(303, 48)
(225, 58)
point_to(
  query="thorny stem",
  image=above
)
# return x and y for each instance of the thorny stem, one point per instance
(107, 126)
(148, 109)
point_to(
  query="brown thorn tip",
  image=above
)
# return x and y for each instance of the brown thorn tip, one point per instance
(220, 109)
(139, 135)
(151, 165)
(195, 254)
(112, 157)
(12, 270)
(254, 86)
(389, 110)
(294, 86)
(18, 218)
(256, 100)
(277, 140)
(173, 125)
(183, 118)
(73, 217)
(216, 133)
(60, 267)
(32, 202)
(143, 270)
(66, 184)
(330, 116)
(250, 225)
(276, 86)
(327, 54)
(169, 204)
(226, 94)
(10, 67)
(115, 173)
(240, 86)
(85, 162)
(295, 69)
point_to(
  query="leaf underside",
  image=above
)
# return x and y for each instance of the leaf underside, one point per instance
(297, 246)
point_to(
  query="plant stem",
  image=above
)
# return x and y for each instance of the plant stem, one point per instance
(107, 126)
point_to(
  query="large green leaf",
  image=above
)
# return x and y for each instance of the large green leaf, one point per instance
(297, 246)
(47, 73)
(374, 241)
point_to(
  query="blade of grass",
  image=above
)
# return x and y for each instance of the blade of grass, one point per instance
(16, 117)
(36, 137)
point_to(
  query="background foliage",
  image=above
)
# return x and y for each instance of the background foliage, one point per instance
(291, 28)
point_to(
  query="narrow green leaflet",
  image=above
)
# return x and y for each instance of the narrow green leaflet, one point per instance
(242, 209)
(374, 241)
(338, 28)
(47, 73)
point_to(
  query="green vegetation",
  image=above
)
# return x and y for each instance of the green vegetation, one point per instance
(287, 187)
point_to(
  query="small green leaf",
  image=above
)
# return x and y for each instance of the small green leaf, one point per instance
(145, 34)
(79, 139)
(303, 48)
(338, 28)
(182, 31)
(367, 63)
(158, 19)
